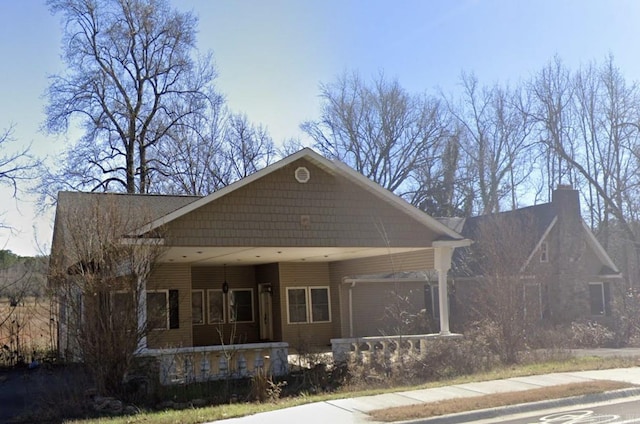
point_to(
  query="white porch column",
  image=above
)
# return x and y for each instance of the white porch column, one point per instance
(442, 261)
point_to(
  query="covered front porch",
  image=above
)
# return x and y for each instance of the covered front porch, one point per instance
(242, 309)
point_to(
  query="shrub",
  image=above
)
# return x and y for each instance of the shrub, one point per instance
(263, 388)
(590, 334)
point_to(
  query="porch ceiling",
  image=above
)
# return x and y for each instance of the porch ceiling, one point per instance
(263, 255)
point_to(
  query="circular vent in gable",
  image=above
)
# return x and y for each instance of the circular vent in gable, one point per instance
(302, 175)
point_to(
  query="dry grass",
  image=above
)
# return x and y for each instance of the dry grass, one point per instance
(27, 327)
(452, 406)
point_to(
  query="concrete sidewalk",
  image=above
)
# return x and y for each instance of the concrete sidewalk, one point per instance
(355, 410)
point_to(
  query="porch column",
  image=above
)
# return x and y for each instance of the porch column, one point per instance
(442, 261)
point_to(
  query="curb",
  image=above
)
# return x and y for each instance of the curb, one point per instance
(482, 414)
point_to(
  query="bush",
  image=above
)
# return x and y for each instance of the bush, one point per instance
(437, 359)
(590, 334)
(263, 388)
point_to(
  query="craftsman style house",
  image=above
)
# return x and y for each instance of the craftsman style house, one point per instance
(564, 273)
(283, 258)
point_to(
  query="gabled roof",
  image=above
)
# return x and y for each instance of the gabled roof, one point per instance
(147, 206)
(333, 167)
(540, 219)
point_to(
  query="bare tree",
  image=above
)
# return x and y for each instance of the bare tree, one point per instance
(442, 184)
(247, 148)
(500, 291)
(99, 279)
(131, 79)
(16, 166)
(378, 129)
(552, 109)
(211, 153)
(588, 125)
(190, 161)
(495, 141)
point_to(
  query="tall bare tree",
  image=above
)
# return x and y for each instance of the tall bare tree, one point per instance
(211, 153)
(377, 128)
(131, 78)
(495, 141)
(552, 109)
(16, 166)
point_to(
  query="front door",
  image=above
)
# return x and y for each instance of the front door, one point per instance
(266, 312)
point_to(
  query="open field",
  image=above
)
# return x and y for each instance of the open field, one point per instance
(25, 328)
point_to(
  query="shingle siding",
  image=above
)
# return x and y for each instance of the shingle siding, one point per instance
(276, 210)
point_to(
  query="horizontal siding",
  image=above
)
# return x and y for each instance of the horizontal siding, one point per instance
(377, 307)
(173, 277)
(238, 277)
(410, 261)
(303, 336)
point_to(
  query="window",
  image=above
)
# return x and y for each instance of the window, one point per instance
(163, 309)
(157, 314)
(318, 300)
(297, 300)
(319, 304)
(197, 307)
(215, 306)
(599, 298)
(432, 300)
(544, 252)
(122, 307)
(241, 305)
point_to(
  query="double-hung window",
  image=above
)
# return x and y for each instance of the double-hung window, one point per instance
(234, 306)
(240, 305)
(197, 307)
(163, 309)
(216, 307)
(308, 305)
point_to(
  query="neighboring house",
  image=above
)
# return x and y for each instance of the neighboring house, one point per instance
(565, 274)
(284, 255)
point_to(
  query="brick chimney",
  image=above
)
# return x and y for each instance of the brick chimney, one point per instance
(566, 200)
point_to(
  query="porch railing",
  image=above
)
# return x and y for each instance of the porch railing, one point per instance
(204, 363)
(391, 348)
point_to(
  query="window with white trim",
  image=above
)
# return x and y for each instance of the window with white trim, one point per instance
(215, 306)
(544, 252)
(240, 305)
(197, 307)
(308, 305)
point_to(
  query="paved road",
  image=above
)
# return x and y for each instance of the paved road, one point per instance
(626, 411)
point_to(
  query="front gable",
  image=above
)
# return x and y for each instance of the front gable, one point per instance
(328, 210)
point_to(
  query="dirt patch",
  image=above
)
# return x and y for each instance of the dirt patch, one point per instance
(452, 406)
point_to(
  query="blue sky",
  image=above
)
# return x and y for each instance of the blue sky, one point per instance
(271, 56)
